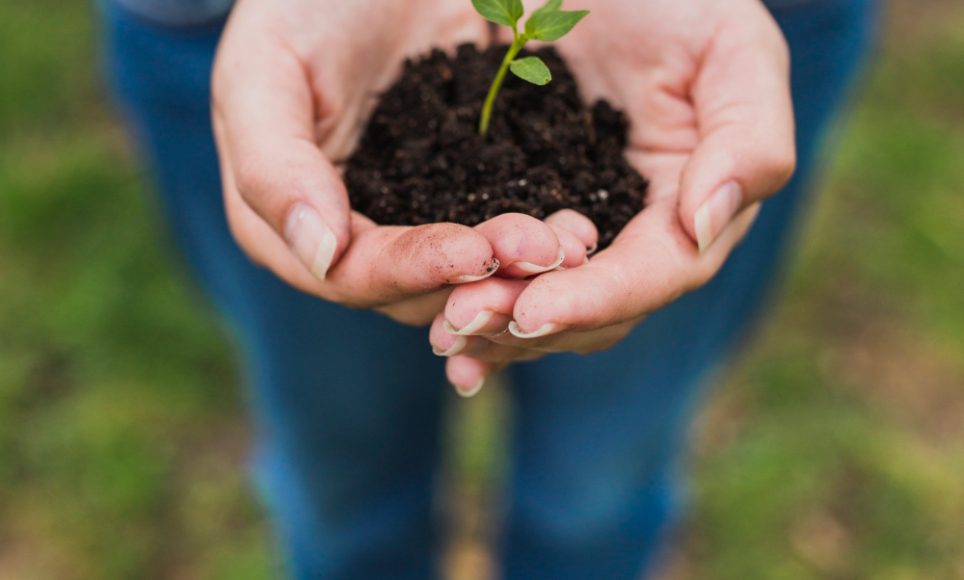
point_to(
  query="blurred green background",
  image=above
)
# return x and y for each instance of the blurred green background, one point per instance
(835, 450)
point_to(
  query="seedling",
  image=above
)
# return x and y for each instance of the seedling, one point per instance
(548, 23)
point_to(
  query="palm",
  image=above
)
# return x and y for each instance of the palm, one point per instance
(683, 76)
(355, 49)
(632, 54)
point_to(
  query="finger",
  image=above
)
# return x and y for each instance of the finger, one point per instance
(523, 245)
(388, 263)
(649, 265)
(746, 149)
(502, 355)
(468, 375)
(482, 309)
(577, 341)
(263, 114)
(417, 311)
(447, 345)
(578, 225)
(383, 264)
(574, 251)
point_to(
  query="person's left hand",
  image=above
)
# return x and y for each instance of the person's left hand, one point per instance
(706, 87)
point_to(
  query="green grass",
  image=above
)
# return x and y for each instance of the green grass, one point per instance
(836, 450)
(120, 426)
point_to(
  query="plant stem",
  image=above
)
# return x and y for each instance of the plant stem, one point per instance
(517, 44)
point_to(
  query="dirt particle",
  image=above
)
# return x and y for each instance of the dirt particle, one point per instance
(546, 150)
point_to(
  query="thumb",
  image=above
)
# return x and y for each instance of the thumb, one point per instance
(263, 115)
(746, 150)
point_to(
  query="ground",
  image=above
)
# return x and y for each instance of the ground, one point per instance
(835, 448)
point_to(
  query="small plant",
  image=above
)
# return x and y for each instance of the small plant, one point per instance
(548, 23)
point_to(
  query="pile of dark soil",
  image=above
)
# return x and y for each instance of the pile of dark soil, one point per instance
(421, 159)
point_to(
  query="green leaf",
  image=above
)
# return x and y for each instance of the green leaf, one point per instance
(532, 69)
(548, 24)
(550, 6)
(507, 12)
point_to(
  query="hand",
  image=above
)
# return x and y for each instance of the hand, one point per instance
(706, 87)
(292, 84)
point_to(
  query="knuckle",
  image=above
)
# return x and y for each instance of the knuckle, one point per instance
(780, 163)
(217, 85)
(242, 230)
(781, 47)
(262, 190)
(239, 233)
(729, 162)
(250, 179)
(216, 102)
(702, 275)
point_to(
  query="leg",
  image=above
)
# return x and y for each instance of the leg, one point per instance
(347, 403)
(594, 482)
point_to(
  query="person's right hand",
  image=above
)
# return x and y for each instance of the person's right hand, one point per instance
(292, 84)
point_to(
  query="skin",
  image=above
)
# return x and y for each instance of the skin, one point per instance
(705, 84)
(291, 87)
(706, 87)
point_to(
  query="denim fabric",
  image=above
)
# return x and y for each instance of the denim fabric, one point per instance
(178, 12)
(348, 421)
(194, 12)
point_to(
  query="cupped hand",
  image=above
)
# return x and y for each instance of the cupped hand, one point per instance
(292, 84)
(706, 87)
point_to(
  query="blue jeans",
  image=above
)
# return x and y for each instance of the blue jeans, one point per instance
(347, 404)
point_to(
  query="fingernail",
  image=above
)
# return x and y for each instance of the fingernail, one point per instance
(517, 332)
(492, 268)
(716, 213)
(457, 347)
(471, 391)
(310, 239)
(480, 320)
(592, 249)
(530, 268)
